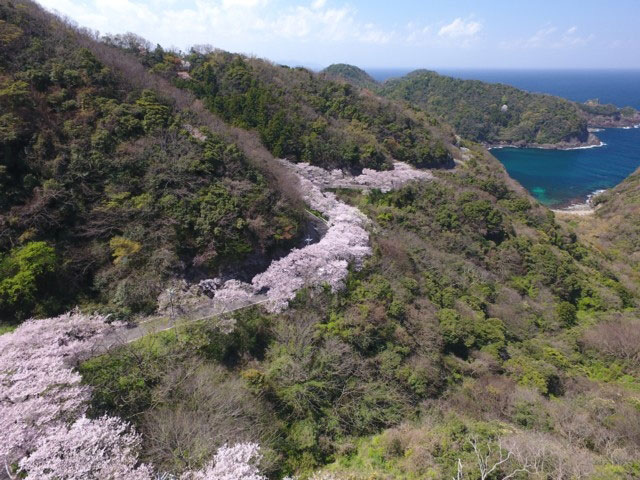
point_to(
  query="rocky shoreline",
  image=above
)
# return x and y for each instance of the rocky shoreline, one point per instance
(581, 209)
(623, 121)
(592, 142)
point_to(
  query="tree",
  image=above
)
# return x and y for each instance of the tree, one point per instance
(41, 391)
(492, 462)
(156, 114)
(44, 433)
(231, 463)
(24, 272)
(103, 448)
(566, 313)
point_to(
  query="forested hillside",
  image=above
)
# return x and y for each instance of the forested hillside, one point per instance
(300, 115)
(475, 337)
(352, 74)
(491, 112)
(104, 194)
(614, 228)
(478, 319)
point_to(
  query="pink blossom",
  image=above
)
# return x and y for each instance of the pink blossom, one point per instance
(345, 243)
(385, 180)
(40, 389)
(42, 404)
(88, 449)
(231, 463)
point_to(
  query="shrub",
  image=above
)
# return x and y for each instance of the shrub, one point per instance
(24, 275)
(566, 313)
(617, 338)
(122, 248)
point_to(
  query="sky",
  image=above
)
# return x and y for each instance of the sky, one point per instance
(384, 33)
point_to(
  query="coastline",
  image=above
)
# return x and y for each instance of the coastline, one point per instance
(592, 142)
(574, 213)
(580, 209)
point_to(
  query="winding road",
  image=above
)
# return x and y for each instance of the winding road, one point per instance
(346, 242)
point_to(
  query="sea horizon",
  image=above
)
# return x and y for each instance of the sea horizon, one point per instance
(617, 86)
(562, 178)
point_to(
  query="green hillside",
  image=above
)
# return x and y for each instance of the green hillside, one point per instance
(491, 113)
(300, 115)
(104, 195)
(352, 74)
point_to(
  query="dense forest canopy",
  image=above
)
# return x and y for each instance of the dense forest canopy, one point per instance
(303, 116)
(103, 187)
(494, 113)
(491, 112)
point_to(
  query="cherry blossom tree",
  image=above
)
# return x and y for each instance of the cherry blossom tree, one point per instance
(43, 427)
(103, 448)
(40, 389)
(385, 180)
(238, 462)
(345, 243)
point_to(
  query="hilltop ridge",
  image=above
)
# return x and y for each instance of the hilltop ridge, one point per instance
(352, 74)
(498, 114)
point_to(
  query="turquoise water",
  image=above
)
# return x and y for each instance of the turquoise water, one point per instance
(559, 178)
(562, 178)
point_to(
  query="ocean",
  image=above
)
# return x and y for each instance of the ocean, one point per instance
(561, 178)
(620, 87)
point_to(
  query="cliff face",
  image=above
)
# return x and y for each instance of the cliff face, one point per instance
(609, 116)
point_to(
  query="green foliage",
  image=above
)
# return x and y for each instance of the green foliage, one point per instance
(461, 334)
(250, 336)
(474, 108)
(122, 248)
(350, 73)
(107, 173)
(156, 115)
(466, 322)
(533, 373)
(308, 117)
(566, 313)
(25, 276)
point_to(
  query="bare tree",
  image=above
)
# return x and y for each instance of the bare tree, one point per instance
(618, 338)
(495, 458)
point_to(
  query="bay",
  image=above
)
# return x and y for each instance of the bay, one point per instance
(561, 178)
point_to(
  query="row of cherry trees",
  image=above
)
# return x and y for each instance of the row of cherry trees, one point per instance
(44, 432)
(345, 243)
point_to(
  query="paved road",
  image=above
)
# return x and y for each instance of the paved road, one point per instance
(156, 324)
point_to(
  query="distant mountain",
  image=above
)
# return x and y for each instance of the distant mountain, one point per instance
(352, 74)
(492, 113)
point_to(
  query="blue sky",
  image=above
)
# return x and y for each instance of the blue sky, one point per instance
(384, 34)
